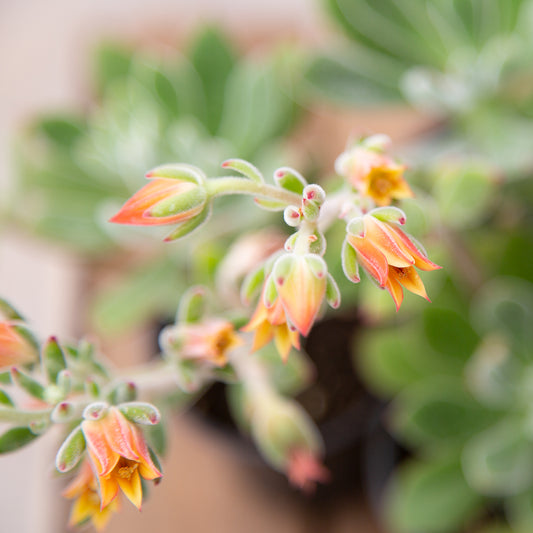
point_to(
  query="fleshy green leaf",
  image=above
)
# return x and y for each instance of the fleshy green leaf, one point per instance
(16, 438)
(30, 385)
(431, 498)
(8, 311)
(448, 333)
(438, 412)
(499, 461)
(53, 359)
(213, 59)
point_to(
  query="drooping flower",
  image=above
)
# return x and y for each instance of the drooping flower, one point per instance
(175, 194)
(208, 340)
(269, 323)
(387, 254)
(15, 348)
(373, 174)
(87, 506)
(288, 439)
(119, 456)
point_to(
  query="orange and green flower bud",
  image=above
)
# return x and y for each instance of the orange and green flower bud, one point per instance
(17, 346)
(386, 253)
(119, 456)
(87, 505)
(301, 282)
(175, 194)
(373, 173)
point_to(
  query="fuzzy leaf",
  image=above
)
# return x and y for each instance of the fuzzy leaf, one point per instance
(30, 385)
(53, 359)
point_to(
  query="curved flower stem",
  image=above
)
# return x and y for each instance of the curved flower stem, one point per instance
(233, 185)
(250, 371)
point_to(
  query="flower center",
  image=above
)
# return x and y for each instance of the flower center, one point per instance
(126, 471)
(381, 182)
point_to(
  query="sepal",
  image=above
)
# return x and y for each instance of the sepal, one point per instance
(140, 413)
(95, 411)
(185, 202)
(251, 284)
(270, 293)
(356, 227)
(190, 225)
(333, 294)
(349, 263)
(178, 171)
(71, 450)
(389, 214)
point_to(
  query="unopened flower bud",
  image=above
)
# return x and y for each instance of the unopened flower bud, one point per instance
(290, 179)
(17, 345)
(63, 412)
(125, 391)
(292, 216)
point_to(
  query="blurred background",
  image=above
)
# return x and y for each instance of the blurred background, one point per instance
(426, 414)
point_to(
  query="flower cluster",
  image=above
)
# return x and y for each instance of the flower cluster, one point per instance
(292, 286)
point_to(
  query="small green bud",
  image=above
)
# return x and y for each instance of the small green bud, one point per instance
(63, 412)
(125, 391)
(290, 179)
(292, 216)
(53, 359)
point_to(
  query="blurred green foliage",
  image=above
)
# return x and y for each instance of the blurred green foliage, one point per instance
(199, 106)
(464, 61)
